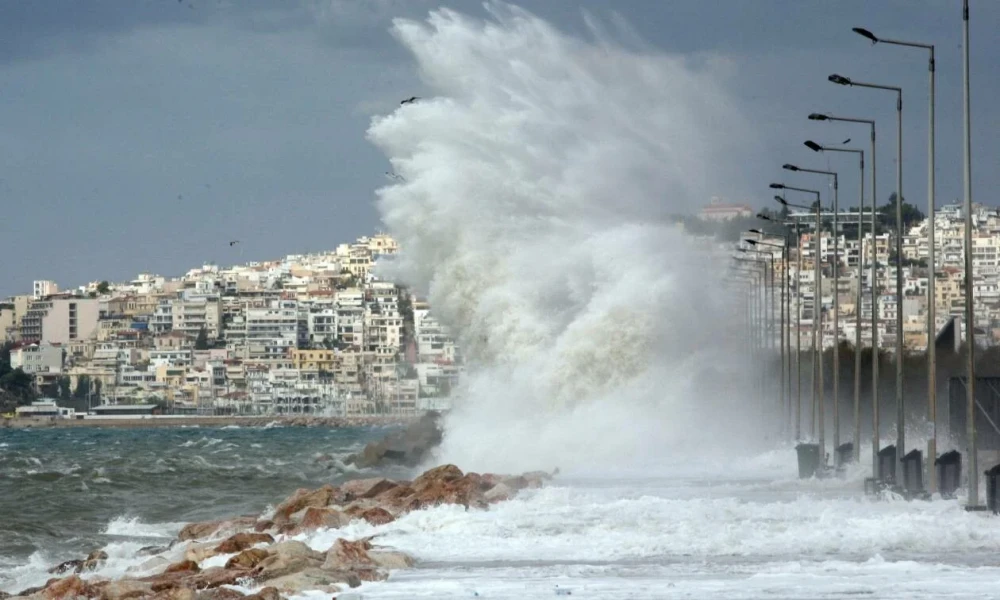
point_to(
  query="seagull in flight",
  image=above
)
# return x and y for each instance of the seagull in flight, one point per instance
(234, 242)
(410, 100)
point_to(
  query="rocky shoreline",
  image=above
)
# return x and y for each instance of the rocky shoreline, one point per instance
(215, 560)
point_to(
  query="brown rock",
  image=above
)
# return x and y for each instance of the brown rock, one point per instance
(366, 488)
(125, 589)
(398, 500)
(377, 516)
(95, 560)
(391, 559)
(178, 593)
(248, 559)
(185, 566)
(263, 525)
(313, 578)
(242, 541)
(437, 474)
(197, 531)
(304, 498)
(69, 587)
(219, 593)
(462, 491)
(322, 518)
(216, 576)
(348, 556)
(287, 558)
(268, 593)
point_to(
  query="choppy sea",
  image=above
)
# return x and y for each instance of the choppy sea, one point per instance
(744, 528)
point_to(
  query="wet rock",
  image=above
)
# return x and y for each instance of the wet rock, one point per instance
(263, 525)
(287, 558)
(199, 551)
(304, 498)
(267, 593)
(95, 560)
(366, 488)
(377, 516)
(322, 518)
(391, 559)
(313, 578)
(151, 550)
(498, 493)
(69, 587)
(437, 475)
(219, 593)
(242, 541)
(407, 447)
(216, 576)
(345, 555)
(126, 589)
(200, 531)
(70, 566)
(185, 566)
(248, 559)
(178, 593)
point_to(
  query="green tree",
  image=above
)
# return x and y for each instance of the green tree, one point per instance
(103, 288)
(97, 389)
(82, 387)
(18, 384)
(201, 343)
(5, 358)
(64, 388)
(911, 214)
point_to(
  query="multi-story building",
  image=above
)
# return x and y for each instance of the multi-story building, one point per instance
(271, 332)
(60, 320)
(38, 358)
(44, 288)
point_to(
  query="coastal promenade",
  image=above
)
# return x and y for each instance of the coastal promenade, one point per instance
(207, 421)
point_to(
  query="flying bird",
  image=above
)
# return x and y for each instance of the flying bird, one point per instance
(846, 141)
(234, 242)
(410, 100)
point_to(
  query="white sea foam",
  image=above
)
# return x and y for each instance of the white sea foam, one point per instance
(134, 527)
(537, 180)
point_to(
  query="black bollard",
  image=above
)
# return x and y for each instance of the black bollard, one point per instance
(845, 453)
(808, 455)
(887, 466)
(992, 477)
(949, 473)
(913, 472)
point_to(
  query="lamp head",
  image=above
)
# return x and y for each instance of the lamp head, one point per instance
(751, 242)
(818, 117)
(757, 231)
(764, 217)
(865, 33)
(777, 186)
(813, 146)
(839, 79)
(781, 200)
(789, 167)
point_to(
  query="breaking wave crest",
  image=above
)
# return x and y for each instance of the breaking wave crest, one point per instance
(532, 205)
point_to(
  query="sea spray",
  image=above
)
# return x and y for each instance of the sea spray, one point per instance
(532, 208)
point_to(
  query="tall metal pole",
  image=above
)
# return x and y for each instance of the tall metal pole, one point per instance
(875, 336)
(818, 328)
(970, 329)
(857, 316)
(900, 407)
(798, 333)
(931, 296)
(786, 331)
(836, 324)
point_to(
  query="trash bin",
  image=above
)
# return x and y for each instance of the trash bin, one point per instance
(949, 473)
(913, 472)
(992, 481)
(845, 454)
(808, 460)
(887, 466)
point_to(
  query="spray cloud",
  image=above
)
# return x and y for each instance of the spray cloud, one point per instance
(536, 182)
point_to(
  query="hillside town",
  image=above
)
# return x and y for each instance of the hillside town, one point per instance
(306, 334)
(948, 272)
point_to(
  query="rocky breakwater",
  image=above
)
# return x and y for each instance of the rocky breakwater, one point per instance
(408, 447)
(257, 558)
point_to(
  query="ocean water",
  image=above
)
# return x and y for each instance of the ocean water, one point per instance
(741, 527)
(66, 492)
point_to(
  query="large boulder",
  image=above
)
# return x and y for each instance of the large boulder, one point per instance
(69, 588)
(286, 558)
(366, 488)
(305, 498)
(206, 529)
(377, 516)
(312, 579)
(126, 589)
(322, 518)
(185, 566)
(242, 541)
(248, 559)
(407, 447)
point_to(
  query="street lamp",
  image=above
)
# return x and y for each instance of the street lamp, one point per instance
(783, 318)
(798, 326)
(817, 317)
(900, 408)
(874, 285)
(836, 300)
(970, 330)
(931, 250)
(857, 313)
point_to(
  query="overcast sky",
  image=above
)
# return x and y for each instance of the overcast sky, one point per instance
(144, 135)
